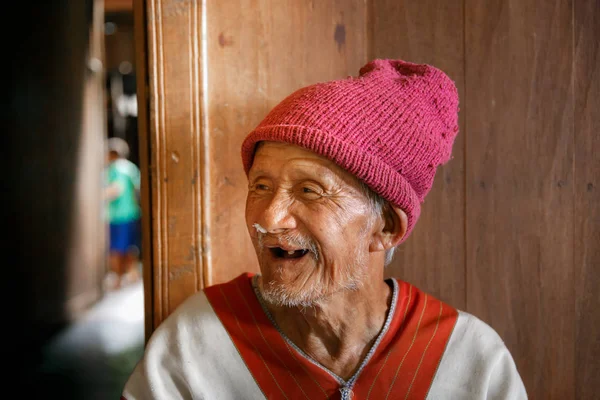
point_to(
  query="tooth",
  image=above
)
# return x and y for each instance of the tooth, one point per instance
(291, 252)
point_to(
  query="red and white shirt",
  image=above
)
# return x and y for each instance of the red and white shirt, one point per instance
(222, 343)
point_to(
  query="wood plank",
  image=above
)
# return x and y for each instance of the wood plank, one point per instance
(87, 264)
(519, 181)
(175, 138)
(587, 196)
(124, 6)
(144, 140)
(257, 53)
(431, 32)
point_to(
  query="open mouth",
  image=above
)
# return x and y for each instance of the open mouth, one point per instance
(281, 253)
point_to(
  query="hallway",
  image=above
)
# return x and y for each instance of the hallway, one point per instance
(93, 358)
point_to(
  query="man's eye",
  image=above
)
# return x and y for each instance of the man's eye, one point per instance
(310, 192)
(260, 186)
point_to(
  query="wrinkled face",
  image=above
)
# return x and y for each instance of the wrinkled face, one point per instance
(310, 223)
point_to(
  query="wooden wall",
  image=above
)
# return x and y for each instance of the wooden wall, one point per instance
(520, 184)
(585, 280)
(510, 231)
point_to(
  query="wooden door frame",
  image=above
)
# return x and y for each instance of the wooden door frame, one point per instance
(175, 255)
(140, 38)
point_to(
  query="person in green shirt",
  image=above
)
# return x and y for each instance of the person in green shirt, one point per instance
(123, 212)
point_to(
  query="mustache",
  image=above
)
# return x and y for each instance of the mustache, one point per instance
(295, 239)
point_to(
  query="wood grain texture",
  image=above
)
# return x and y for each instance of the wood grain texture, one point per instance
(258, 52)
(587, 197)
(176, 143)
(519, 180)
(431, 32)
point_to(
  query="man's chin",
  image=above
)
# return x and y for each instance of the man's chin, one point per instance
(283, 295)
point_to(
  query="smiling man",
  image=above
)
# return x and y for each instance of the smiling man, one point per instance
(336, 175)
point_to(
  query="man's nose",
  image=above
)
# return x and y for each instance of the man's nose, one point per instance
(277, 216)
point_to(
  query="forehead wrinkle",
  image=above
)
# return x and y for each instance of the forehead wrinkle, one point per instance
(298, 168)
(318, 165)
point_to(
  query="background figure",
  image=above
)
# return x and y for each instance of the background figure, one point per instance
(123, 213)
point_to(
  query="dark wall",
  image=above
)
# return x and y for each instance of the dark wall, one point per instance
(47, 53)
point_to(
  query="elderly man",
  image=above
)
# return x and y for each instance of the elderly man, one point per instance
(337, 172)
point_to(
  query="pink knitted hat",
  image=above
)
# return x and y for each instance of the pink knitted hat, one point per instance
(391, 126)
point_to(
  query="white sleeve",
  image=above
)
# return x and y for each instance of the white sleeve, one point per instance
(160, 373)
(505, 381)
(476, 365)
(191, 356)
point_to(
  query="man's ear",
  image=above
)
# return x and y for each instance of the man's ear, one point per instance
(392, 230)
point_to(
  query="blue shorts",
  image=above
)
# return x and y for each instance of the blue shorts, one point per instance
(125, 236)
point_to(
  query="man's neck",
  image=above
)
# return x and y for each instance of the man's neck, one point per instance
(339, 332)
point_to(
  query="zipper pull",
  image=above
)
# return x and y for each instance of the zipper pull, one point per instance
(346, 393)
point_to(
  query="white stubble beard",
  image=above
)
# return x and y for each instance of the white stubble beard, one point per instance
(351, 279)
